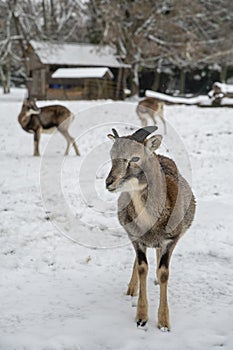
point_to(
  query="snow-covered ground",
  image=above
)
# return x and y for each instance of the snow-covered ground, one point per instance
(64, 260)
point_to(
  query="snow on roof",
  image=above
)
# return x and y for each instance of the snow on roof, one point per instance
(99, 72)
(76, 54)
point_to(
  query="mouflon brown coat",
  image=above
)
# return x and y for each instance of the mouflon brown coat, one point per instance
(156, 206)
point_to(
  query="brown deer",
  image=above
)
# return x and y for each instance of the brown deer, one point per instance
(151, 107)
(156, 206)
(45, 120)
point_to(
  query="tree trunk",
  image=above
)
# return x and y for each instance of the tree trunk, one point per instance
(45, 17)
(119, 84)
(134, 80)
(156, 82)
(5, 73)
(182, 82)
(223, 74)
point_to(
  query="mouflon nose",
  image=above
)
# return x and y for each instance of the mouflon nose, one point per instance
(109, 181)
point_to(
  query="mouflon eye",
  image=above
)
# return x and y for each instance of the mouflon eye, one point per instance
(135, 159)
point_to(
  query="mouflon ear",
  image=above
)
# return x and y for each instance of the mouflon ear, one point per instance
(141, 134)
(114, 136)
(153, 143)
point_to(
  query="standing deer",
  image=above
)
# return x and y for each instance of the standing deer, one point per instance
(151, 107)
(45, 120)
(156, 206)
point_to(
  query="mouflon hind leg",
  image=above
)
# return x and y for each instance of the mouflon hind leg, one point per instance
(133, 284)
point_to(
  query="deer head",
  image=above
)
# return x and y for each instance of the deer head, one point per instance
(29, 108)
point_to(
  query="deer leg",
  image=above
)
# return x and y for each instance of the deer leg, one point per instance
(133, 284)
(142, 267)
(164, 124)
(143, 121)
(70, 140)
(75, 148)
(161, 115)
(36, 142)
(163, 276)
(142, 118)
(153, 117)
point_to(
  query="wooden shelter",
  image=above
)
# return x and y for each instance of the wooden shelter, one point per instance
(74, 71)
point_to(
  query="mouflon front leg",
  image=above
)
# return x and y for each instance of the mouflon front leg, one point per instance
(163, 261)
(142, 267)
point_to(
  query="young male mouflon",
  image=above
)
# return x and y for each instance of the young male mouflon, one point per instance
(156, 206)
(151, 107)
(44, 120)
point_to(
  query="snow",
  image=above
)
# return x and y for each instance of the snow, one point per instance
(177, 100)
(58, 294)
(82, 73)
(76, 54)
(201, 100)
(225, 88)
